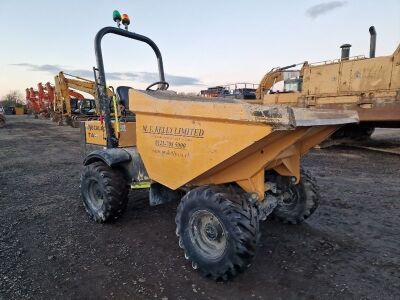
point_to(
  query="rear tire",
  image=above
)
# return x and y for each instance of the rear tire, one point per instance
(2, 122)
(354, 132)
(300, 200)
(104, 192)
(218, 230)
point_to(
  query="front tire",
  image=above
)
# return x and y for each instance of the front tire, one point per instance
(104, 192)
(218, 230)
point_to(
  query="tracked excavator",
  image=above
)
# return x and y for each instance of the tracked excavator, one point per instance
(71, 106)
(32, 102)
(35, 105)
(45, 95)
(368, 85)
(63, 113)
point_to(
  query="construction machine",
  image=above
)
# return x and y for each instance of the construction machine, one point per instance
(46, 98)
(371, 86)
(61, 114)
(230, 163)
(71, 106)
(64, 113)
(33, 102)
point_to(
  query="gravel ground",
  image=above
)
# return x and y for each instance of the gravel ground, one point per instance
(349, 249)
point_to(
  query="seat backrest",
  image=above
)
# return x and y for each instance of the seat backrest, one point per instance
(123, 95)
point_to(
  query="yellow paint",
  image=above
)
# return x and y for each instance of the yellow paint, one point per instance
(344, 84)
(281, 98)
(64, 83)
(186, 141)
(19, 110)
(201, 142)
(117, 127)
(186, 148)
(95, 133)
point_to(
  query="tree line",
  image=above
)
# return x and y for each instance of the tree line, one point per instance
(13, 99)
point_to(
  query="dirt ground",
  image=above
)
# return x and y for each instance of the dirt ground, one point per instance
(349, 249)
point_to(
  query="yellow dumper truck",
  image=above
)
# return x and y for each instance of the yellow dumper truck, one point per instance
(228, 162)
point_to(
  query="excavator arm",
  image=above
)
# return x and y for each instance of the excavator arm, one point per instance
(46, 96)
(66, 84)
(267, 82)
(32, 100)
(274, 76)
(63, 95)
(50, 94)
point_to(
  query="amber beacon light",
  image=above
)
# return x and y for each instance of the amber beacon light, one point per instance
(126, 21)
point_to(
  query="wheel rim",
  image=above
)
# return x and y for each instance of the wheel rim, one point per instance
(95, 194)
(208, 233)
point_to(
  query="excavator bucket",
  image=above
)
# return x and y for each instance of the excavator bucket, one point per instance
(188, 141)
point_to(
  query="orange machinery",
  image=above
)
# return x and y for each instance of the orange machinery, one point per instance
(46, 98)
(33, 101)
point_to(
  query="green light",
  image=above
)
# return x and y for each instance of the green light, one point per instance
(116, 16)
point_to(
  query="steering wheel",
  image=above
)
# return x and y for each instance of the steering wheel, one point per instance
(165, 86)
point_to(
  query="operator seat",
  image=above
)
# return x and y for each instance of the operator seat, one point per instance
(123, 99)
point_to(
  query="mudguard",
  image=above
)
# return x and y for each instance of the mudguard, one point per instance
(111, 157)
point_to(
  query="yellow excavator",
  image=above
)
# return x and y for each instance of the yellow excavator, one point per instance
(71, 106)
(369, 85)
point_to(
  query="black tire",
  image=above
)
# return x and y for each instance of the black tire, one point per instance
(2, 121)
(354, 132)
(104, 192)
(233, 223)
(301, 200)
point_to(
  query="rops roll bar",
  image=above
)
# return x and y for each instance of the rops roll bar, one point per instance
(101, 78)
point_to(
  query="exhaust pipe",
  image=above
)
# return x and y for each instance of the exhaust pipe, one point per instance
(345, 51)
(372, 42)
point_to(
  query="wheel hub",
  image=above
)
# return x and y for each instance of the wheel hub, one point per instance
(212, 231)
(208, 234)
(95, 194)
(290, 198)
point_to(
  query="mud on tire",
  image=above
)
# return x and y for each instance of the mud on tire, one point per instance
(301, 201)
(104, 192)
(218, 230)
